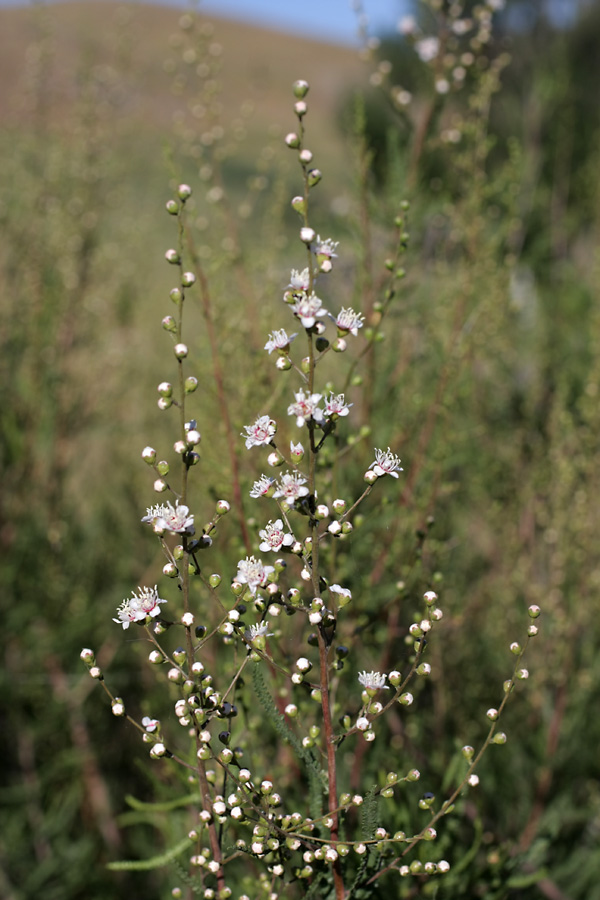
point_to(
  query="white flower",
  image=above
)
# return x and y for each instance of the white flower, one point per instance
(261, 630)
(325, 248)
(154, 512)
(253, 572)
(299, 281)
(407, 25)
(274, 537)
(348, 320)
(166, 517)
(291, 487)
(305, 408)
(338, 589)
(138, 606)
(262, 486)
(308, 309)
(337, 406)
(373, 680)
(176, 519)
(150, 724)
(127, 613)
(279, 340)
(386, 463)
(427, 48)
(260, 433)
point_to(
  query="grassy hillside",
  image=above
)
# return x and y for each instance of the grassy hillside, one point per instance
(468, 228)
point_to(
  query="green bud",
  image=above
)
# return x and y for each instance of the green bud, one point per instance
(300, 89)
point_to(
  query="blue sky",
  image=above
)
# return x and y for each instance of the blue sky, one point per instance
(331, 20)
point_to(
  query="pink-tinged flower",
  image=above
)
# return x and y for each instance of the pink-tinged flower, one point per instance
(336, 406)
(373, 681)
(274, 537)
(137, 607)
(127, 613)
(309, 309)
(349, 321)
(176, 519)
(325, 249)
(260, 433)
(253, 572)
(297, 451)
(427, 48)
(279, 340)
(386, 463)
(299, 281)
(262, 487)
(291, 487)
(305, 408)
(150, 724)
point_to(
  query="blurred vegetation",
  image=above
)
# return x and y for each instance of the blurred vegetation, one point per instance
(487, 384)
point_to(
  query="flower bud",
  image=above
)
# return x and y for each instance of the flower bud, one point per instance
(300, 108)
(492, 714)
(300, 88)
(160, 485)
(118, 707)
(172, 207)
(149, 455)
(172, 256)
(314, 177)
(170, 570)
(169, 324)
(292, 140)
(176, 296)
(190, 384)
(305, 156)
(307, 235)
(184, 191)
(299, 204)
(370, 476)
(339, 345)
(534, 611)
(188, 279)
(180, 350)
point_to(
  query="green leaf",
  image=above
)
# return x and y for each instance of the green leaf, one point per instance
(156, 862)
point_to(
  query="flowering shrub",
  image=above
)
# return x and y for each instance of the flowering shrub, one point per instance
(275, 811)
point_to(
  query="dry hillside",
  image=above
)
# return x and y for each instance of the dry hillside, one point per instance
(258, 65)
